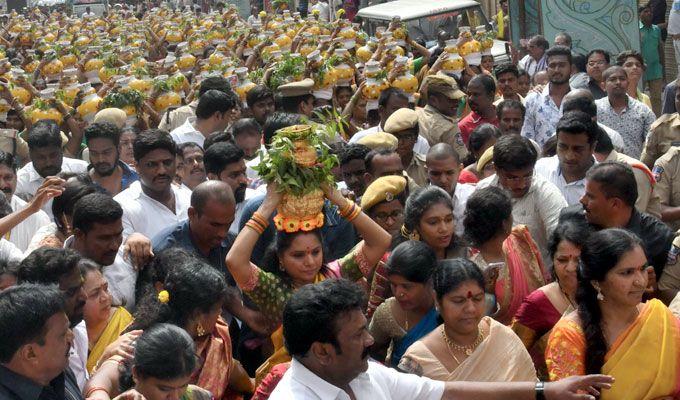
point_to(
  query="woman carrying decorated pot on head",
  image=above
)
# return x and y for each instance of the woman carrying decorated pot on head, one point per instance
(298, 171)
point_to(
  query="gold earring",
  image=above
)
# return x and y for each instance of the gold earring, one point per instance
(200, 331)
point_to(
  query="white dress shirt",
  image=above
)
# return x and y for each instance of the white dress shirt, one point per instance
(459, 199)
(421, 146)
(377, 383)
(22, 234)
(147, 216)
(539, 209)
(121, 277)
(77, 358)
(239, 210)
(549, 168)
(29, 181)
(10, 252)
(187, 133)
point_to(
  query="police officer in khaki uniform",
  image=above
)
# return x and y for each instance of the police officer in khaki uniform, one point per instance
(383, 148)
(667, 174)
(669, 283)
(664, 133)
(297, 97)
(403, 124)
(437, 120)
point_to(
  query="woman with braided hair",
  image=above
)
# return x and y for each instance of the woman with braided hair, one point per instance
(612, 331)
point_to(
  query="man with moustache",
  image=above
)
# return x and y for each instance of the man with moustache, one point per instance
(609, 202)
(507, 76)
(576, 138)
(191, 167)
(326, 334)
(98, 234)
(47, 159)
(36, 342)
(536, 202)
(225, 162)
(443, 169)
(50, 266)
(630, 117)
(510, 117)
(105, 167)
(153, 203)
(481, 93)
(543, 110)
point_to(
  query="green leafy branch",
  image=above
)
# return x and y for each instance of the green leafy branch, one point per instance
(278, 165)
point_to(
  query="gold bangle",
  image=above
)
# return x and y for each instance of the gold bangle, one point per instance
(347, 209)
(259, 218)
(255, 226)
(354, 214)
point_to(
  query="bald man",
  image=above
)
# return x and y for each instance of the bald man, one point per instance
(443, 169)
(206, 234)
(206, 231)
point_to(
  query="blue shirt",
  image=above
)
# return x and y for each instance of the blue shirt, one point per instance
(338, 234)
(129, 176)
(179, 235)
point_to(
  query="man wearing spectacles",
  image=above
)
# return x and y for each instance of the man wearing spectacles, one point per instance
(536, 202)
(596, 62)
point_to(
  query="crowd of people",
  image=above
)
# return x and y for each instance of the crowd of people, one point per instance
(495, 229)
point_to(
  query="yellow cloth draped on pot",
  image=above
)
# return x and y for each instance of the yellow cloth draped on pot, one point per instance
(644, 359)
(120, 319)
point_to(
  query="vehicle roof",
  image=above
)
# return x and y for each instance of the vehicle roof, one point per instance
(412, 9)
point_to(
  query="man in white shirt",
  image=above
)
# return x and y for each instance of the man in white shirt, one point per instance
(576, 137)
(175, 118)
(22, 233)
(98, 235)
(225, 162)
(88, 13)
(536, 202)
(213, 114)
(153, 203)
(326, 333)
(391, 100)
(44, 147)
(52, 266)
(535, 61)
(443, 169)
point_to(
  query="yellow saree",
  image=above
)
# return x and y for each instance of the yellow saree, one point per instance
(644, 359)
(120, 319)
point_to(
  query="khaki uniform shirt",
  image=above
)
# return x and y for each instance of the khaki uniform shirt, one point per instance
(664, 133)
(670, 279)
(438, 128)
(648, 199)
(416, 170)
(667, 174)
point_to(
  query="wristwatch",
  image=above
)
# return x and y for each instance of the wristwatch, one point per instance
(540, 390)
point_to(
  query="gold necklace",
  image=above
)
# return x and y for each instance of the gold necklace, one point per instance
(564, 293)
(467, 350)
